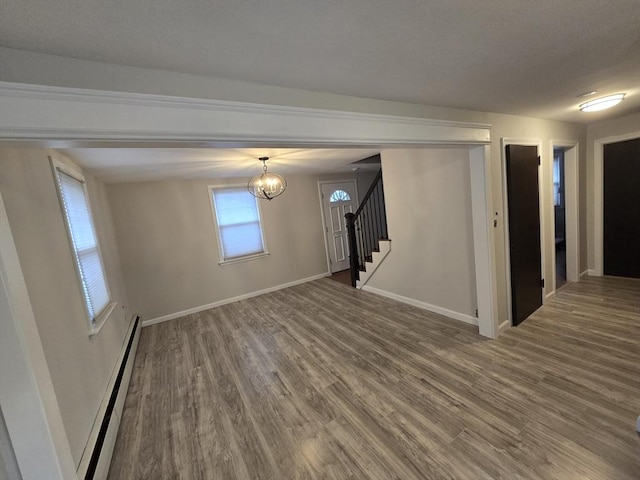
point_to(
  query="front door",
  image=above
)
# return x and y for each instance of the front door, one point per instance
(338, 199)
(524, 231)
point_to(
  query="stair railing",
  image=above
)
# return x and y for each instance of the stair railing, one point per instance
(366, 227)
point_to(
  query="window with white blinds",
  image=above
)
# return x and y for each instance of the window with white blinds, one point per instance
(84, 242)
(237, 217)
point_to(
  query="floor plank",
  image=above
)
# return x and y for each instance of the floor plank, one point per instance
(322, 381)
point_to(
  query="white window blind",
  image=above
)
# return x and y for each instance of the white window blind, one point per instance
(238, 220)
(85, 243)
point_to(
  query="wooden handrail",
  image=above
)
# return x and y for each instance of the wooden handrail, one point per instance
(366, 227)
(373, 186)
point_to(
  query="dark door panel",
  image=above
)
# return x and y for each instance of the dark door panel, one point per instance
(621, 212)
(524, 231)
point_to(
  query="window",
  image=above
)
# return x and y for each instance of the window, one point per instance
(339, 196)
(84, 243)
(558, 179)
(237, 217)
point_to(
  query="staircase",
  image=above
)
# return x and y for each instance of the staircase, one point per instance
(368, 237)
(370, 266)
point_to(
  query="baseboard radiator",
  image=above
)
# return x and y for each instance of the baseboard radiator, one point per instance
(95, 462)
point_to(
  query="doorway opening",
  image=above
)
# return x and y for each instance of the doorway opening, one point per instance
(597, 234)
(565, 252)
(559, 215)
(336, 199)
(343, 276)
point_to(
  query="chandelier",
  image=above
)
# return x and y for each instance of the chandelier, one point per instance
(266, 185)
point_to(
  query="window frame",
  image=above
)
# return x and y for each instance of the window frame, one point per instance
(216, 227)
(94, 325)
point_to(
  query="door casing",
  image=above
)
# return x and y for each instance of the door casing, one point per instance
(598, 197)
(572, 209)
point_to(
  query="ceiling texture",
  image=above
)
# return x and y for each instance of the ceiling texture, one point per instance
(521, 57)
(119, 165)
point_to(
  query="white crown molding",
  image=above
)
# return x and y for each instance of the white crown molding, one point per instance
(65, 93)
(36, 112)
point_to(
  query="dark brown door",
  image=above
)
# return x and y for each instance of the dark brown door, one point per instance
(524, 231)
(621, 241)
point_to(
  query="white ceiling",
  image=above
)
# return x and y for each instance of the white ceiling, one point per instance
(511, 56)
(521, 57)
(115, 165)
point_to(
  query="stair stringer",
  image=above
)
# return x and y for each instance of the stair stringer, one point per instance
(384, 247)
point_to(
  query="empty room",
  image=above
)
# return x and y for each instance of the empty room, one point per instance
(319, 240)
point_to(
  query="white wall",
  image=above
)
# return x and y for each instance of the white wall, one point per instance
(428, 201)
(598, 131)
(166, 238)
(79, 366)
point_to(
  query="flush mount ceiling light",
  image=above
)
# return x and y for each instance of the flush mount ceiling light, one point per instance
(602, 103)
(266, 185)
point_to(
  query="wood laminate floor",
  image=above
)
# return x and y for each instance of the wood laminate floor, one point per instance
(322, 381)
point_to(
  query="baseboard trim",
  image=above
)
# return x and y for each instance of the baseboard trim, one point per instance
(503, 326)
(95, 461)
(425, 306)
(219, 303)
(586, 272)
(550, 295)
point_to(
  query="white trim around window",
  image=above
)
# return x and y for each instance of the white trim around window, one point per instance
(84, 244)
(228, 251)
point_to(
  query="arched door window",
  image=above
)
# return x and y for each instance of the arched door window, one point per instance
(339, 196)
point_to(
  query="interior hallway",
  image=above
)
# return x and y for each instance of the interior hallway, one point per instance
(324, 381)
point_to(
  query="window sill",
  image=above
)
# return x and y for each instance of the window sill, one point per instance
(97, 324)
(231, 261)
